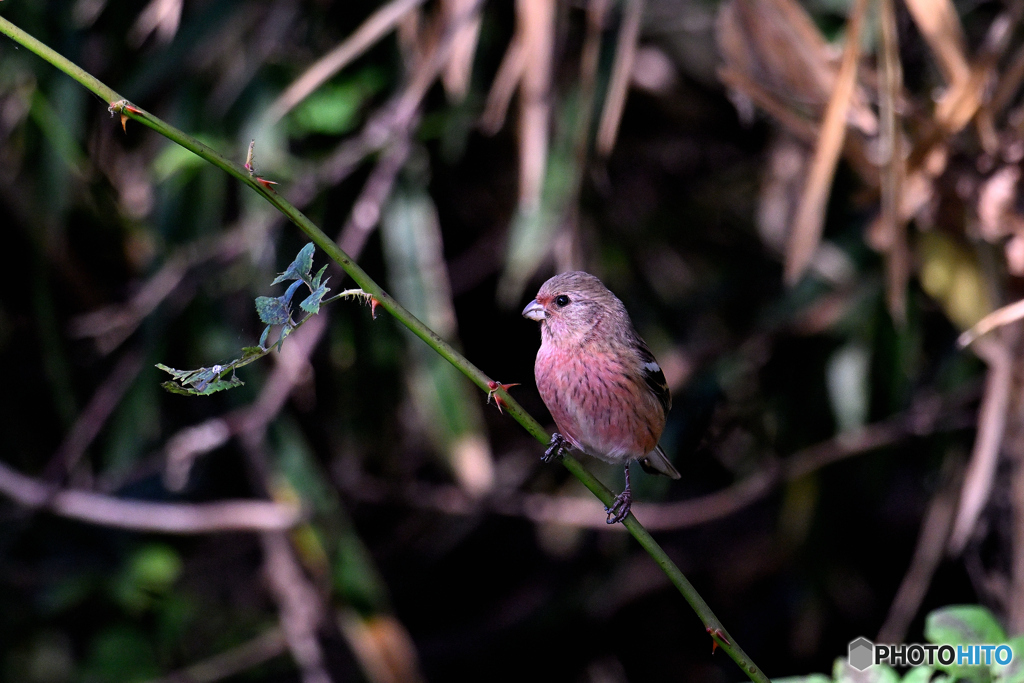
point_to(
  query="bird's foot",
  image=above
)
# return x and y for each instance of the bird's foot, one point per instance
(620, 507)
(556, 448)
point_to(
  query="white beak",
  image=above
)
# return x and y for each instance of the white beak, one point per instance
(534, 311)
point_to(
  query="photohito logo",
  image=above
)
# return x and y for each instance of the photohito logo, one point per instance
(863, 653)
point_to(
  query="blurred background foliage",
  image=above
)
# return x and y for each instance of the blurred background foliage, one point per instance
(800, 223)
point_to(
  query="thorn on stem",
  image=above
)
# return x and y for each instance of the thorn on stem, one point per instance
(716, 635)
(493, 386)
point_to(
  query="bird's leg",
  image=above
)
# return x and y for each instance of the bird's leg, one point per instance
(556, 448)
(620, 506)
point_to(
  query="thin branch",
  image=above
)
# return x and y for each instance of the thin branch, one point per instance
(376, 26)
(366, 210)
(95, 414)
(994, 320)
(139, 515)
(991, 426)
(927, 416)
(300, 606)
(931, 545)
(238, 659)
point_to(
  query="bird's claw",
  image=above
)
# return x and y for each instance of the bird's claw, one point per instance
(556, 448)
(619, 508)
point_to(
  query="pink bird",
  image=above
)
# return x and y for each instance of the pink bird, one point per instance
(606, 392)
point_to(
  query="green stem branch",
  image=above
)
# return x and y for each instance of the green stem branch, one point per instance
(121, 106)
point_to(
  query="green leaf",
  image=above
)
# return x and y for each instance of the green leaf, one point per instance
(272, 310)
(285, 331)
(180, 375)
(963, 624)
(316, 280)
(1014, 671)
(300, 267)
(263, 337)
(211, 388)
(311, 304)
(919, 674)
(251, 352)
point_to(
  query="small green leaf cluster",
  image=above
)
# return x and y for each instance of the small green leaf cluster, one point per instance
(277, 311)
(953, 625)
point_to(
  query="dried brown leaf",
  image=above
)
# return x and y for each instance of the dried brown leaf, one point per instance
(537, 18)
(622, 67)
(810, 215)
(459, 68)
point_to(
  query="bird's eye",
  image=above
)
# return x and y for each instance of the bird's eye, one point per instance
(561, 300)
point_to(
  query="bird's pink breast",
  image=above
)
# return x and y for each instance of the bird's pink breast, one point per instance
(597, 404)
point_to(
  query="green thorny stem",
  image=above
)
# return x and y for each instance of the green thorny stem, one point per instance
(121, 106)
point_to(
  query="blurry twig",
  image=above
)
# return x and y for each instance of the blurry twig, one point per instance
(366, 210)
(510, 71)
(622, 69)
(300, 606)
(95, 414)
(537, 19)
(930, 548)
(991, 427)
(996, 319)
(111, 325)
(810, 214)
(892, 227)
(1015, 603)
(139, 515)
(927, 416)
(459, 68)
(260, 649)
(376, 26)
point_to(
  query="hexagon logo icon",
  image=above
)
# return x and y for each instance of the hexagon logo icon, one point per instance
(861, 654)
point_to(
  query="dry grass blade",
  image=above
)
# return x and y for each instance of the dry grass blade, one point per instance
(459, 68)
(931, 544)
(1009, 83)
(591, 53)
(775, 44)
(537, 19)
(376, 26)
(800, 126)
(992, 416)
(997, 318)
(810, 214)
(510, 72)
(939, 24)
(625, 54)
(892, 228)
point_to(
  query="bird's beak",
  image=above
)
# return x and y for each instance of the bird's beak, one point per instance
(534, 311)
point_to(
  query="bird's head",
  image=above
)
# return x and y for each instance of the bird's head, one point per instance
(570, 304)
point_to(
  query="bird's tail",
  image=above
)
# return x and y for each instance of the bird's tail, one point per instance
(655, 462)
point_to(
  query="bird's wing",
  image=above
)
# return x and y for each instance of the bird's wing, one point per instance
(652, 374)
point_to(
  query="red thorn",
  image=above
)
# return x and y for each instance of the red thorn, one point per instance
(373, 307)
(716, 635)
(498, 400)
(132, 108)
(124, 123)
(267, 184)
